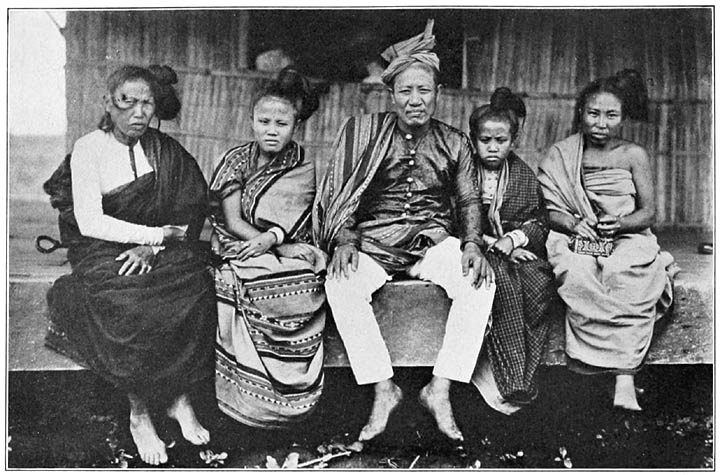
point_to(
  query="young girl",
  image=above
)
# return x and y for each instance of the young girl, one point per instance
(599, 187)
(514, 223)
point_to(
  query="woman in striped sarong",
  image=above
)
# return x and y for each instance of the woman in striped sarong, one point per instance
(269, 353)
(514, 222)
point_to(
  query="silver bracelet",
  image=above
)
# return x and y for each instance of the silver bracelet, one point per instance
(279, 235)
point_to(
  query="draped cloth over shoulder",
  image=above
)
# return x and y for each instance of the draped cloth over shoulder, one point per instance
(269, 354)
(612, 302)
(358, 151)
(150, 332)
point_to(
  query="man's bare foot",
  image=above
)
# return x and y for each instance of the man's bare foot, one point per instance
(435, 397)
(625, 395)
(387, 397)
(182, 411)
(150, 447)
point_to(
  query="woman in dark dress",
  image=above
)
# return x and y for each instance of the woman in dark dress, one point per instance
(138, 308)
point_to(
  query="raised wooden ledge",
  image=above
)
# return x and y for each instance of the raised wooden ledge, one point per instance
(411, 313)
(412, 316)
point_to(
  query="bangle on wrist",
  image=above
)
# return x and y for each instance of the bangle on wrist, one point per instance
(278, 233)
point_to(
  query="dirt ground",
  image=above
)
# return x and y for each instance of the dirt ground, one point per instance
(73, 419)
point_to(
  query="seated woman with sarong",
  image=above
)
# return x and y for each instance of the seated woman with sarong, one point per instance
(139, 307)
(269, 353)
(514, 222)
(601, 200)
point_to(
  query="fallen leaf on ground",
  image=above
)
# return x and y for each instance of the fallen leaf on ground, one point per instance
(291, 461)
(356, 446)
(270, 462)
(213, 459)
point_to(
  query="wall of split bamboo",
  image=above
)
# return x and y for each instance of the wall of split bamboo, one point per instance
(209, 53)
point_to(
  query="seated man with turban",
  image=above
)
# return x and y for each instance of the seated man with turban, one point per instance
(401, 196)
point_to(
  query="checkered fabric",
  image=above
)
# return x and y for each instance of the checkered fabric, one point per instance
(526, 293)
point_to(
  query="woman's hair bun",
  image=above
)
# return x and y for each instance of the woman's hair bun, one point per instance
(165, 75)
(504, 99)
(166, 98)
(634, 93)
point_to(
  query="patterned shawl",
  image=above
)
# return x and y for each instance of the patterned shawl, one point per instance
(358, 150)
(266, 200)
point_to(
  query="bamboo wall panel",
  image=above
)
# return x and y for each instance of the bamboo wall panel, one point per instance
(217, 91)
(550, 52)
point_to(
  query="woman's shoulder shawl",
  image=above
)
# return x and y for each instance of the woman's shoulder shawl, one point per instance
(180, 186)
(357, 151)
(228, 175)
(559, 174)
(59, 188)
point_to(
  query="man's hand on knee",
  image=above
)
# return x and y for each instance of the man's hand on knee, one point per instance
(344, 259)
(472, 257)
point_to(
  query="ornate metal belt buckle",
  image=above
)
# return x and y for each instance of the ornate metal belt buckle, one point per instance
(603, 247)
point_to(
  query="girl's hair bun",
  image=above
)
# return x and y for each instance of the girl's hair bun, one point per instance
(504, 99)
(504, 106)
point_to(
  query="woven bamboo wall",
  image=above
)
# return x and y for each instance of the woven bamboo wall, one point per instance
(208, 49)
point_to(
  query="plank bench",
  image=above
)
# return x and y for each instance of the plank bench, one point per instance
(411, 313)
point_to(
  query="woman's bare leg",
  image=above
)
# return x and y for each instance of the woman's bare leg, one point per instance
(182, 411)
(625, 396)
(150, 447)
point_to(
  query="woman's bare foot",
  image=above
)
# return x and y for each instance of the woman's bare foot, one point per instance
(387, 397)
(150, 447)
(182, 411)
(435, 397)
(625, 395)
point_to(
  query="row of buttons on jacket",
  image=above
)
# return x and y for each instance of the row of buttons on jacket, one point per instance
(409, 179)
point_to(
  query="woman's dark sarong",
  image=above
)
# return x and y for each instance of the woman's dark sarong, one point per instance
(149, 334)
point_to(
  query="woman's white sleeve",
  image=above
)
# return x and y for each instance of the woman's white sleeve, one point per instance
(87, 202)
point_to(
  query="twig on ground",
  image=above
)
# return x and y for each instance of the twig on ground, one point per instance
(323, 459)
(413, 462)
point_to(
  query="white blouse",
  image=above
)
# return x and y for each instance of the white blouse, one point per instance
(99, 165)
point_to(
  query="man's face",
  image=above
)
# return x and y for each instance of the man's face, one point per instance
(415, 95)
